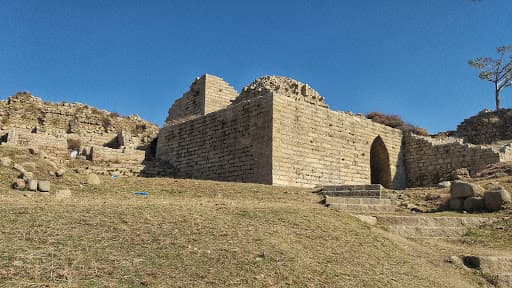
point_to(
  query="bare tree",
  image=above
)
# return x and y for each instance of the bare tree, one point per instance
(498, 71)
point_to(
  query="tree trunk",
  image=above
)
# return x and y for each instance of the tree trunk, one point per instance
(497, 99)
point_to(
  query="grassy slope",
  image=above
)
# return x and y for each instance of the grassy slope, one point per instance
(189, 233)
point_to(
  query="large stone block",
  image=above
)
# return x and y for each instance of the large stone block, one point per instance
(494, 200)
(462, 189)
(43, 186)
(474, 204)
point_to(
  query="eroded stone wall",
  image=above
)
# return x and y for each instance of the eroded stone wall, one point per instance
(315, 145)
(430, 161)
(207, 94)
(487, 127)
(231, 144)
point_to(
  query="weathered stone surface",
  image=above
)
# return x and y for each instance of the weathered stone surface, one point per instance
(494, 200)
(19, 168)
(93, 179)
(5, 161)
(19, 184)
(474, 204)
(61, 194)
(456, 204)
(32, 185)
(43, 186)
(462, 189)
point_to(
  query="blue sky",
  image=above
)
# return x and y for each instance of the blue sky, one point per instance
(400, 56)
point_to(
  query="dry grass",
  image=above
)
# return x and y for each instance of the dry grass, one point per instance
(189, 233)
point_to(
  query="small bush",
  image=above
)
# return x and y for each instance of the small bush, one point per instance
(74, 143)
(394, 121)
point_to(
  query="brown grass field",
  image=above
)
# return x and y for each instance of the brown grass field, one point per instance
(191, 233)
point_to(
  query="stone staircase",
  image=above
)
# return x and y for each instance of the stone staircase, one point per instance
(357, 198)
(429, 226)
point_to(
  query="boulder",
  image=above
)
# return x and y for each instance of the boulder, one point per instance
(61, 194)
(474, 204)
(462, 189)
(93, 179)
(495, 199)
(60, 172)
(456, 204)
(444, 184)
(18, 184)
(43, 186)
(5, 161)
(32, 185)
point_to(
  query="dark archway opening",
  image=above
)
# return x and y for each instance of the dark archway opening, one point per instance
(379, 163)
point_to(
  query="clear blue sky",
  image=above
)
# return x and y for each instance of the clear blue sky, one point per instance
(400, 56)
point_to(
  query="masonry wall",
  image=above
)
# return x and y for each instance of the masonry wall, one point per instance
(232, 144)
(207, 94)
(218, 94)
(315, 145)
(430, 161)
(487, 127)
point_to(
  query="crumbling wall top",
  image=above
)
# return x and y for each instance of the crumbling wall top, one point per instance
(289, 87)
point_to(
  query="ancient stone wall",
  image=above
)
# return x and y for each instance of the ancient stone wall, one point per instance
(232, 144)
(487, 127)
(206, 94)
(315, 145)
(24, 112)
(430, 161)
(123, 155)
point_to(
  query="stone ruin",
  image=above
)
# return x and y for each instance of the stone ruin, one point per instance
(277, 131)
(280, 131)
(110, 141)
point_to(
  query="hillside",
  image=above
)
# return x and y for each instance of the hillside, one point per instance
(190, 233)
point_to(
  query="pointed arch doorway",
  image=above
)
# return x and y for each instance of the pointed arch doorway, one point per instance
(379, 163)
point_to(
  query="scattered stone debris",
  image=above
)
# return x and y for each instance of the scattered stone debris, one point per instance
(19, 184)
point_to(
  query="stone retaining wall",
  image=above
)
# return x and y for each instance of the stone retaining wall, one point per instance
(430, 161)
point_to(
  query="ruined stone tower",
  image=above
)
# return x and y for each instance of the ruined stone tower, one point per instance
(277, 131)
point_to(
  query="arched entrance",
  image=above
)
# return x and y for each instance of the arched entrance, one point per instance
(379, 163)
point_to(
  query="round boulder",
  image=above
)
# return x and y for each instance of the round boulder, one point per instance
(60, 172)
(495, 199)
(462, 189)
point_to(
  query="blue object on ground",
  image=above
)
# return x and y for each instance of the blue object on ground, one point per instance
(141, 193)
(114, 177)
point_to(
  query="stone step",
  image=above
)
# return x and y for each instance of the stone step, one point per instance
(366, 191)
(356, 201)
(363, 208)
(430, 226)
(427, 232)
(432, 221)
